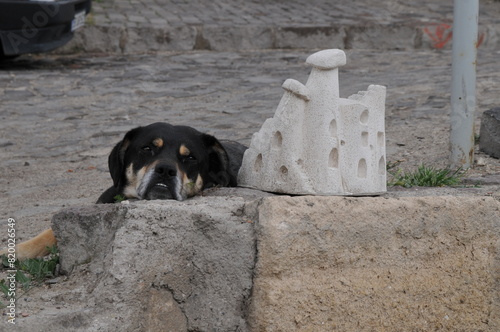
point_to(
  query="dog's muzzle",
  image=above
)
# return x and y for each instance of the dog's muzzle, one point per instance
(161, 182)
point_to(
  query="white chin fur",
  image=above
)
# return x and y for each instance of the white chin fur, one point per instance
(145, 181)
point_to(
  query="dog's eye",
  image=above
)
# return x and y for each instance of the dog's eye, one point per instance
(147, 149)
(189, 158)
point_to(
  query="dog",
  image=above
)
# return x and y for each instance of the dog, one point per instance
(159, 161)
(162, 161)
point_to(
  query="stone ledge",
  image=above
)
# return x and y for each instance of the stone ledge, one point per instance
(167, 264)
(331, 263)
(288, 263)
(130, 40)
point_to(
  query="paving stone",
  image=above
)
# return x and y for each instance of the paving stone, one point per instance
(18, 93)
(4, 143)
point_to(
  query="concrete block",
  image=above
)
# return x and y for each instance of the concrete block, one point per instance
(377, 264)
(309, 37)
(317, 142)
(162, 265)
(278, 263)
(489, 140)
(384, 37)
(246, 37)
(118, 39)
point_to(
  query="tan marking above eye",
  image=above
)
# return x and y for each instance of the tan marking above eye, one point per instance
(158, 142)
(184, 151)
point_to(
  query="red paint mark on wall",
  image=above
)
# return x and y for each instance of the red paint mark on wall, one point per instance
(440, 36)
(480, 39)
(442, 33)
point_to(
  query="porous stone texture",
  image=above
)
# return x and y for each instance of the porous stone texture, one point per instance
(241, 260)
(318, 143)
(169, 266)
(377, 264)
(489, 141)
(88, 233)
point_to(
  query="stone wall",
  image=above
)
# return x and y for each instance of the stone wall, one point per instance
(244, 262)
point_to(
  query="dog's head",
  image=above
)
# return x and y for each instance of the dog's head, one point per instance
(162, 161)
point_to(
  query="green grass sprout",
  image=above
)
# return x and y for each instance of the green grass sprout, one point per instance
(425, 176)
(119, 198)
(31, 271)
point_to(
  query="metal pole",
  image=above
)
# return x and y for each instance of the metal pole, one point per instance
(463, 85)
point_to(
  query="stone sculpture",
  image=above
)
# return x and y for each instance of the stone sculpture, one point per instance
(318, 143)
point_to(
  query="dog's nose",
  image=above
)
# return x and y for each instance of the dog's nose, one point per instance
(166, 170)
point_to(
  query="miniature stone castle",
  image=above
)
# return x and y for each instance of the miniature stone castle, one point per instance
(318, 143)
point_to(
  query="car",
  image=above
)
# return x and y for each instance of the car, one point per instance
(35, 26)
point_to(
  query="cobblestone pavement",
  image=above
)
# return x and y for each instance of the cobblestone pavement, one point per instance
(153, 13)
(60, 116)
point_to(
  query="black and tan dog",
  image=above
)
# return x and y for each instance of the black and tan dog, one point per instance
(159, 161)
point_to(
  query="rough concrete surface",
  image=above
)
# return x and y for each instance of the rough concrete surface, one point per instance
(377, 264)
(241, 260)
(170, 266)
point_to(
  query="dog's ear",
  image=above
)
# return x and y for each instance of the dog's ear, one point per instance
(117, 157)
(218, 163)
